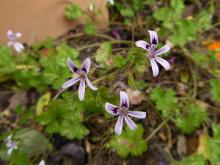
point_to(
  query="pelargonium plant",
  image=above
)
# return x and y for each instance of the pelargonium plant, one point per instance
(153, 54)
(81, 75)
(123, 113)
(13, 37)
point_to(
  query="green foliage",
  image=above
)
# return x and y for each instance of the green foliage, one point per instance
(183, 29)
(165, 100)
(193, 159)
(73, 11)
(31, 142)
(214, 145)
(215, 90)
(42, 102)
(65, 117)
(103, 53)
(186, 117)
(55, 70)
(129, 142)
(90, 29)
(24, 115)
(191, 118)
(7, 63)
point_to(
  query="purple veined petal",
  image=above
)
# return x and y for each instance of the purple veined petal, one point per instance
(142, 44)
(18, 47)
(130, 123)
(90, 84)
(18, 35)
(86, 65)
(153, 38)
(70, 82)
(162, 50)
(112, 109)
(81, 91)
(10, 35)
(137, 114)
(42, 162)
(154, 67)
(71, 65)
(124, 100)
(119, 125)
(163, 62)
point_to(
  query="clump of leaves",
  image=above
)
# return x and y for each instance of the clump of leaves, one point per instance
(191, 118)
(186, 115)
(193, 159)
(90, 29)
(72, 11)
(7, 63)
(30, 143)
(65, 117)
(186, 29)
(215, 90)
(129, 142)
(165, 100)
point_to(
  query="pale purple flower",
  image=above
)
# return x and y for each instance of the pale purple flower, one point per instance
(153, 54)
(81, 76)
(123, 113)
(11, 145)
(42, 162)
(13, 41)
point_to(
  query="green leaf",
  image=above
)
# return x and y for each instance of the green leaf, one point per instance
(191, 118)
(90, 29)
(129, 142)
(65, 117)
(215, 90)
(103, 53)
(165, 100)
(127, 12)
(191, 160)
(177, 5)
(73, 11)
(7, 63)
(42, 102)
(31, 142)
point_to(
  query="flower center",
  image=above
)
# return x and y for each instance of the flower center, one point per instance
(151, 53)
(122, 110)
(81, 73)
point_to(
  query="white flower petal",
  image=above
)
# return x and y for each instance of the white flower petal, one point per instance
(163, 62)
(119, 125)
(70, 82)
(130, 123)
(153, 37)
(9, 151)
(124, 100)
(154, 67)
(42, 162)
(162, 50)
(18, 35)
(112, 109)
(81, 91)
(90, 84)
(86, 65)
(142, 44)
(18, 47)
(137, 114)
